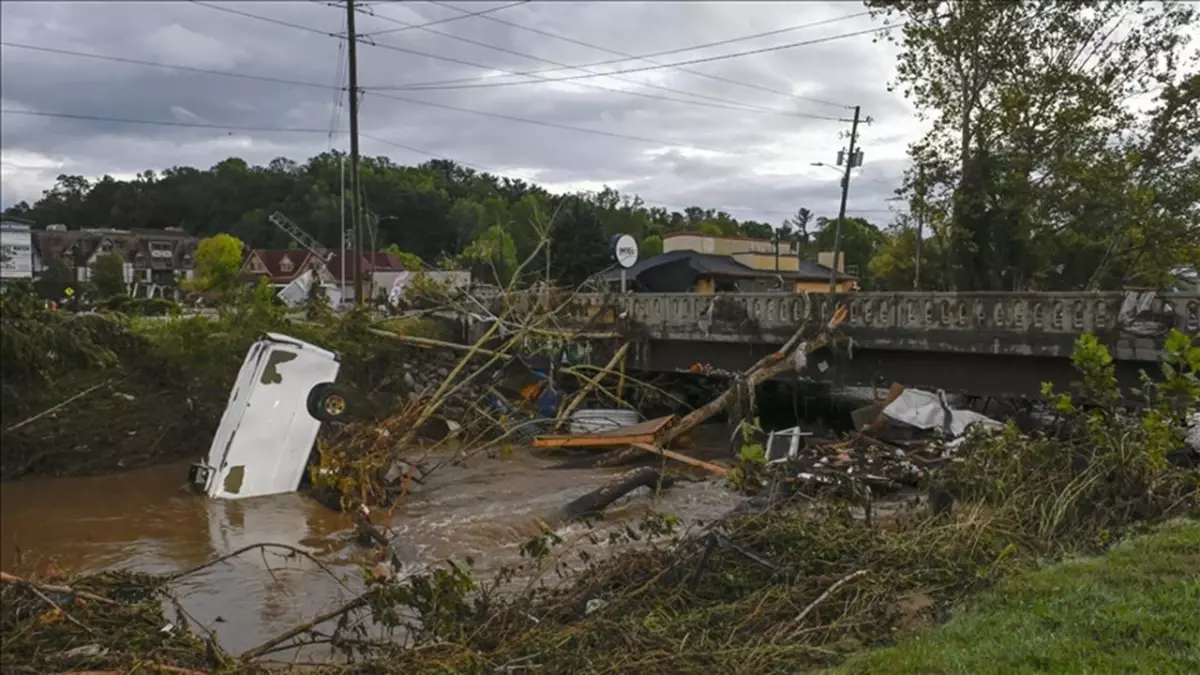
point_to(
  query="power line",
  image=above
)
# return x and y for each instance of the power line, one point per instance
(553, 125)
(161, 123)
(709, 59)
(155, 64)
(335, 109)
(644, 57)
(229, 127)
(726, 104)
(267, 19)
(678, 207)
(710, 76)
(466, 15)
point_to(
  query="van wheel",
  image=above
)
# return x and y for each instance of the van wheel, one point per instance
(328, 402)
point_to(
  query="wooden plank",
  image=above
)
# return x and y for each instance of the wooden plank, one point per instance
(643, 432)
(691, 461)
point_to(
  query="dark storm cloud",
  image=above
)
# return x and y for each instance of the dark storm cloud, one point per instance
(762, 170)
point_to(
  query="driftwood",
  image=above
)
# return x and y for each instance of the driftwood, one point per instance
(7, 578)
(59, 406)
(766, 368)
(594, 502)
(691, 461)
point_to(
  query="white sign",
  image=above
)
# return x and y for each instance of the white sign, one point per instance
(626, 251)
(16, 252)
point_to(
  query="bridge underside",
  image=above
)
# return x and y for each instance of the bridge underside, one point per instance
(998, 375)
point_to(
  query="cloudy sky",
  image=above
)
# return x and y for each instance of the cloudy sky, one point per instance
(738, 133)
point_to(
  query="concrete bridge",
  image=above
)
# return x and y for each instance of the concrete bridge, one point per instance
(993, 344)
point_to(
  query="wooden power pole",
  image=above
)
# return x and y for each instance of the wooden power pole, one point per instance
(355, 190)
(837, 234)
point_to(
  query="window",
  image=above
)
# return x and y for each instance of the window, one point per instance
(160, 249)
(286, 265)
(257, 266)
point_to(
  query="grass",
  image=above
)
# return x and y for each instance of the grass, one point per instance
(1134, 610)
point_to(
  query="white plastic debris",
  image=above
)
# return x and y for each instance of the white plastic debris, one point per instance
(800, 357)
(926, 410)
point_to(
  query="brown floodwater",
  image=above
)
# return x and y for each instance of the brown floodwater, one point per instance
(147, 520)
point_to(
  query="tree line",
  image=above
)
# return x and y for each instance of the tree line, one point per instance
(436, 213)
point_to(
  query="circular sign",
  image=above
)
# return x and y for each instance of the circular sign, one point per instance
(625, 250)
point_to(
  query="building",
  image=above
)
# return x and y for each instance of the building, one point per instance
(16, 249)
(281, 267)
(695, 262)
(156, 261)
(692, 272)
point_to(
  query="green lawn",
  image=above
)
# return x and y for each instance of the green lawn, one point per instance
(1134, 610)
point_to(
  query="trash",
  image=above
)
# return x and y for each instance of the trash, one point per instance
(784, 444)
(592, 421)
(295, 294)
(616, 437)
(84, 651)
(282, 393)
(925, 410)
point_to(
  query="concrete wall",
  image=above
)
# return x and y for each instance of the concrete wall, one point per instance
(1016, 324)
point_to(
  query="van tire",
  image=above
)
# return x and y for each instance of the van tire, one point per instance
(328, 402)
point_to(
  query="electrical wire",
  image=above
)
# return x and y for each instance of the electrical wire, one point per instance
(644, 57)
(642, 69)
(725, 104)
(277, 22)
(161, 123)
(335, 110)
(466, 15)
(678, 207)
(718, 78)
(155, 64)
(552, 125)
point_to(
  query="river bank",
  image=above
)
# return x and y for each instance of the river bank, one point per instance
(799, 577)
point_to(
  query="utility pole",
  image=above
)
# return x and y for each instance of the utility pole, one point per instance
(851, 159)
(355, 191)
(920, 226)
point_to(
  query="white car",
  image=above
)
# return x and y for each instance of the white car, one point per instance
(283, 392)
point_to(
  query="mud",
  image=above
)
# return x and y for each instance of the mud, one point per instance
(146, 520)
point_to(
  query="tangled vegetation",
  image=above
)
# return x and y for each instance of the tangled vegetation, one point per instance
(798, 584)
(93, 392)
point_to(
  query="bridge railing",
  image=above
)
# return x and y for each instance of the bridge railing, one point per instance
(983, 312)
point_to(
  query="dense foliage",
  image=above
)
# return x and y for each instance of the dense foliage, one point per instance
(435, 211)
(1061, 147)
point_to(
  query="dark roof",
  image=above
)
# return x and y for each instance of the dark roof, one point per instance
(76, 247)
(380, 261)
(722, 265)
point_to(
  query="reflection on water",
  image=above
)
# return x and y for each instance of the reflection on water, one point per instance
(146, 520)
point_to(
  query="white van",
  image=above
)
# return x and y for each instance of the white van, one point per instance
(282, 394)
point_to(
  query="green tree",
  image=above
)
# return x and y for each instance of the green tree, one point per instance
(860, 241)
(409, 261)
(108, 275)
(1043, 167)
(53, 282)
(218, 260)
(650, 247)
(493, 255)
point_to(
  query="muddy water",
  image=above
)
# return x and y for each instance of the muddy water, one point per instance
(146, 520)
